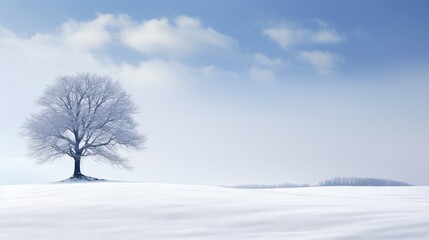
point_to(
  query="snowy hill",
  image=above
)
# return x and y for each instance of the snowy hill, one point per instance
(109, 210)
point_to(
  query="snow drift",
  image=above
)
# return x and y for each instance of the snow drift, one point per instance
(113, 210)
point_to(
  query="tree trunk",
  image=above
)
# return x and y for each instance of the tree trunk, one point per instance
(77, 173)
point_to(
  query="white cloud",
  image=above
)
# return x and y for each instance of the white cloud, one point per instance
(263, 60)
(323, 62)
(326, 36)
(184, 36)
(92, 34)
(287, 35)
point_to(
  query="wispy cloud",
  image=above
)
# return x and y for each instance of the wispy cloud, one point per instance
(290, 36)
(323, 62)
(328, 36)
(264, 68)
(287, 35)
(263, 60)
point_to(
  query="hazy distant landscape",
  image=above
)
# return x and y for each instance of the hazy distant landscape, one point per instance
(338, 181)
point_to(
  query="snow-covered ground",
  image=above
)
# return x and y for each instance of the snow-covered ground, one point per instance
(114, 210)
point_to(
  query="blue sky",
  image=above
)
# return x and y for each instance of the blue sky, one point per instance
(233, 92)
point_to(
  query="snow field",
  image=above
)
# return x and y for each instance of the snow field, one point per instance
(118, 210)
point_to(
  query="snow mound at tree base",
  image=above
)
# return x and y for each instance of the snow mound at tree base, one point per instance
(81, 178)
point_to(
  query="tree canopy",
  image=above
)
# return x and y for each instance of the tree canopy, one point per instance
(84, 115)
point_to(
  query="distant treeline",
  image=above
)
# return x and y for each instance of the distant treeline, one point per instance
(338, 181)
(353, 181)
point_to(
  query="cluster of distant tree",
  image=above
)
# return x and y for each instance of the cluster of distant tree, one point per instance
(353, 181)
(262, 186)
(338, 181)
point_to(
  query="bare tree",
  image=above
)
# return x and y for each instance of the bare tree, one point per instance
(83, 115)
